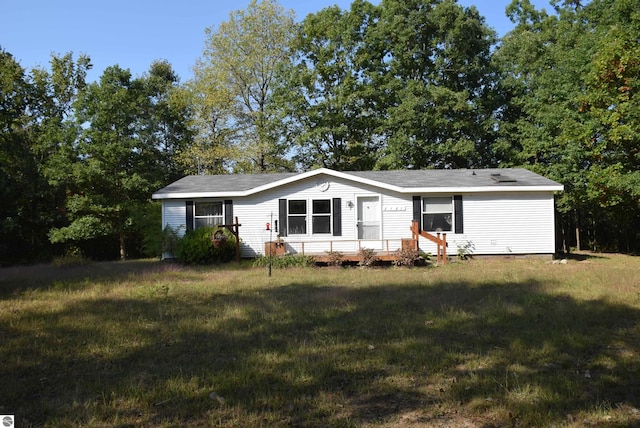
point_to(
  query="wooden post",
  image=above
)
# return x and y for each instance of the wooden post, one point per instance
(440, 242)
(444, 249)
(236, 233)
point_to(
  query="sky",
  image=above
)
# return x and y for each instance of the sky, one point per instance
(134, 33)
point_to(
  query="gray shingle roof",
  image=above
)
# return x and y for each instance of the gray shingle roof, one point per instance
(226, 182)
(457, 177)
(460, 179)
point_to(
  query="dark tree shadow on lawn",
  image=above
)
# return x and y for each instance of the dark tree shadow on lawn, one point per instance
(306, 355)
(16, 280)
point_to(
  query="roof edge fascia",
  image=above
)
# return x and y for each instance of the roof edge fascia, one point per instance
(403, 190)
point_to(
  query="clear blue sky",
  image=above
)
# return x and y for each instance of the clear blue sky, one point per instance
(134, 33)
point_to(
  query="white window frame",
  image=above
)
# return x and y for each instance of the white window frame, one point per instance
(436, 210)
(309, 215)
(290, 232)
(329, 215)
(216, 219)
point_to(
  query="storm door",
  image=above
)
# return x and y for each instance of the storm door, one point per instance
(368, 217)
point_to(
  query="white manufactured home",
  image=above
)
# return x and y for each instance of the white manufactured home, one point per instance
(483, 211)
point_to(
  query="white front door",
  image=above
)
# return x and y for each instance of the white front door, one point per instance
(368, 217)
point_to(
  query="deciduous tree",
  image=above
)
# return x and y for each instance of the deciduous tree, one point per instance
(17, 166)
(570, 77)
(235, 78)
(130, 132)
(433, 62)
(327, 103)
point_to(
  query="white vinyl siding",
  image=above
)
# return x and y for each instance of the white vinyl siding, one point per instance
(255, 211)
(494, 223)
(174, 215)
(510, 224)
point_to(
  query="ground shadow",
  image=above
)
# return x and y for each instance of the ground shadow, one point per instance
(323, 355)
(17, 279)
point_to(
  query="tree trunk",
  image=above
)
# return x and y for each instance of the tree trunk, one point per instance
(123, 252)
(577, 232)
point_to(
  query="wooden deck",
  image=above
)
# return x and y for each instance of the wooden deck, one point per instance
(352, 258)
(385, 249)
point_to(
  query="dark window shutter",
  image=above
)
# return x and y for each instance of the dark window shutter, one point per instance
(228, 211)
(282, 216)
(337, 217)
(189, 219)
(457, 213)
(417, 210)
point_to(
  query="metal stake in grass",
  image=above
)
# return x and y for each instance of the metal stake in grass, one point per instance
(270, 240)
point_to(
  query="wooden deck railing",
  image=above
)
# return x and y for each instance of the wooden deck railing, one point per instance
(384, 247)
(441, 253)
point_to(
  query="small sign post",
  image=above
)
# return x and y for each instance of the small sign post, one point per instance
(270, 240)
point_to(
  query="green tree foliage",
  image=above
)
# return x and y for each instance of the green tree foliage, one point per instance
(212, 149)
(611, 135)
(436, 77)
(196, 246)
(234, 81)
(406, 84)
(17, 166)
(164, 128)
(38, 137)
(131, 131)
(569, 79)
(326, 102)
(612, 99)
(54, 133)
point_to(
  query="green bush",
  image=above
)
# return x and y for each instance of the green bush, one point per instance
(284, 261)
(196, 247)
(70, 260)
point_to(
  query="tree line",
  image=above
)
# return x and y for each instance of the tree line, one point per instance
(405, 84)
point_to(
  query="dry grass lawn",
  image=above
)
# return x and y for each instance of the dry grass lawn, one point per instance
(480, 343)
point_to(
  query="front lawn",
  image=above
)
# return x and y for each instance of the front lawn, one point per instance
(481, 343)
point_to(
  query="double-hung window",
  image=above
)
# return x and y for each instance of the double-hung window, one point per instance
(321, 218)
(297, 217)
(437, 214)
(208, 214)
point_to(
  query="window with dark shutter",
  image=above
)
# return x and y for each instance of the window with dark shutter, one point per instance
(417, 210)
(189, 219)
(337, 217)
(228, 211)
(208, 214)
(282, 216)
(457, 212)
